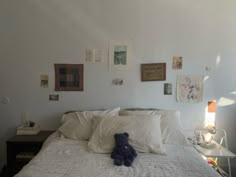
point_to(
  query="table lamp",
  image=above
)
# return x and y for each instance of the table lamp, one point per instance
(208, 135)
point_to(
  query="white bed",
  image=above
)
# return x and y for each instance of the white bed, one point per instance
(83, 143)
(62, 157)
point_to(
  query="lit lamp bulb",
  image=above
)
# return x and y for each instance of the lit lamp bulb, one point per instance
(207, 138)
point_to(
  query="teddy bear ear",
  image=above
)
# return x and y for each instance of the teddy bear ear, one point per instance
(126, 134)
(115, 135)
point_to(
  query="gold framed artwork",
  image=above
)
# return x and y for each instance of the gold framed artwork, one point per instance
(153, 72)
(69, 77)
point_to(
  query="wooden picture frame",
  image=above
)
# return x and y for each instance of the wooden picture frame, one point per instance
(69, 77)
(153, 72)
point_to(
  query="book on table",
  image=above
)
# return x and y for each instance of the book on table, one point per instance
(22, 130)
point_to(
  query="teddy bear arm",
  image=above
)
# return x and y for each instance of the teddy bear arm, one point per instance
(134, 153)
(114, 153)
(118, 152)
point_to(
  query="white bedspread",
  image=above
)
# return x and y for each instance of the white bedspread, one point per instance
(62, 157)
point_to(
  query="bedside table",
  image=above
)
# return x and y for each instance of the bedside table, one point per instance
(219, 151)
(22, 148)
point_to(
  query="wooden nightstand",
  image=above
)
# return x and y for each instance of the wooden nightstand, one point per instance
(22, 148)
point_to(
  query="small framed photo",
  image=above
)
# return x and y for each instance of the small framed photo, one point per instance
(69, 77)
(177, 62)
(44, 81)
(54, 97)
(118, 82)
(167, 89)
(153, 72)
(120, 54)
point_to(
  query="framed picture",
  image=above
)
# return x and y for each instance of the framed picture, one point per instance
(54, 97)
(167, 89)
(120, 54)
(118, 82)
(69, 77)
(44, 81)
(153, 72)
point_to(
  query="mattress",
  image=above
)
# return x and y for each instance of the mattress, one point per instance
(61, 157)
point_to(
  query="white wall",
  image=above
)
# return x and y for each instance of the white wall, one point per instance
(35, 34)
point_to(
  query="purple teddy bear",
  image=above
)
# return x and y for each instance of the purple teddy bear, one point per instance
(123, 152)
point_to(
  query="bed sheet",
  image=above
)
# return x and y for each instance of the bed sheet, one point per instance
(61, 157)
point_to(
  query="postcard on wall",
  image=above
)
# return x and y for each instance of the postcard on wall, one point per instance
(177, 62)
(89, 57)
(44, 81)
(118, 82)
(99, 56)
(190, 88)
(167, 89)
(120, 54)
(53, 97)
(94, 55)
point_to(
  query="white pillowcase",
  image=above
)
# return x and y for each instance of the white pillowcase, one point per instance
(171, 126)
(78, 125)
(144, 133)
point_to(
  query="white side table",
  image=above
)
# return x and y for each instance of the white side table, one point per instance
(218, 151)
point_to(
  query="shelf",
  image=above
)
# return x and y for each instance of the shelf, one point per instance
(25, 155)
(218, 151)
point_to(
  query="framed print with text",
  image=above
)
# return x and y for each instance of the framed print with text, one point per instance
(153, 72)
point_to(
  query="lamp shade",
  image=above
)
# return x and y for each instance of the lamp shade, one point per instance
(210, 114)
(212, 106)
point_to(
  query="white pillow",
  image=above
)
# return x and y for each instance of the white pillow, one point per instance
(171, 126)
(78, 125)
(172, 130)
(144, 133)
(138, 112)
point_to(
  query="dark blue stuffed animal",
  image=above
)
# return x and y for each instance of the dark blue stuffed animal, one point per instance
(123, 152)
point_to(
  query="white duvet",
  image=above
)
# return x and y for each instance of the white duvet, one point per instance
(62, 157)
